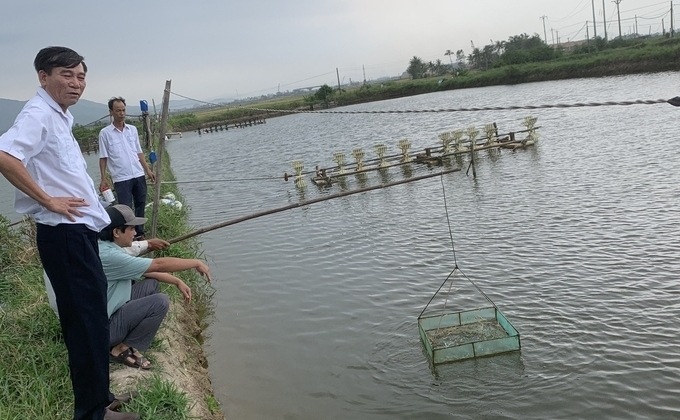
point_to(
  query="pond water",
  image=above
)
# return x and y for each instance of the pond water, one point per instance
(575, 241)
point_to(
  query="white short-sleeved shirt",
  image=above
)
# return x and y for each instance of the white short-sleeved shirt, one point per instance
(121, 149)
(42, 140)
(120, 269)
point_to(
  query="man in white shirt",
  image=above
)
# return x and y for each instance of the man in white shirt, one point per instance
(119, 150)
(42, 159)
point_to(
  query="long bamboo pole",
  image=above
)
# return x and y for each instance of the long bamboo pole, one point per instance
(305, 203)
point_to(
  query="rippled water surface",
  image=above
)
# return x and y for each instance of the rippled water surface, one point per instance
(575, 240)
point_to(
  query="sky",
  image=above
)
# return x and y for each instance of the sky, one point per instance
(213, 49)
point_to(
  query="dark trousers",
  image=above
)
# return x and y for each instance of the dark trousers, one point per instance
(135, 324)
(70, 257)
(132, 193)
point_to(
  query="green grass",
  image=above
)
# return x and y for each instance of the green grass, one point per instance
(160, 400)
(212, 404)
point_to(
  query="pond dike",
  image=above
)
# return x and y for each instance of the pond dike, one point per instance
(177, 353)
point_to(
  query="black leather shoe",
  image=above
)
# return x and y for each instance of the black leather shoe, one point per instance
(113, 415)
(121, 399)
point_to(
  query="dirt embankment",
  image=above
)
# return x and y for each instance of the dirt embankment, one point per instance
(181, 360)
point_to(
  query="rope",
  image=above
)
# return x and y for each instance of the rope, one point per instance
(448, 221)
(455, 263)
(197, 181)
(675, 101)
(455, 267)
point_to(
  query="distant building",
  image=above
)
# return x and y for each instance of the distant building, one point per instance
(569, 46)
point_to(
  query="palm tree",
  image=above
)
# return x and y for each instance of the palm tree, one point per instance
(475, 58)
(499, 47)
(460, 57)
(487, 56)
(449, 53)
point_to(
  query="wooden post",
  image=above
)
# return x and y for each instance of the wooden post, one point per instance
(159, 157)
(147, 129)
(472, 158)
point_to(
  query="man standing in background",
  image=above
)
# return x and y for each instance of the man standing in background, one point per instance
(119, 150)
(42, 159)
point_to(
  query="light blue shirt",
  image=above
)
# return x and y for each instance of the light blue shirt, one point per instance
(120, 269)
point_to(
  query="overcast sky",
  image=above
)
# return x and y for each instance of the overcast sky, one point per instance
(217, 49)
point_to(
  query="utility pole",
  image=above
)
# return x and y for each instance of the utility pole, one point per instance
(663, 28)
(618, 13)
(545, 36)
(587, 33)
(363, 67)
(604, 19)
(672, 25)
(552, 35)
(594, 22)
(558, 37)
(636, 27)
(338, 73)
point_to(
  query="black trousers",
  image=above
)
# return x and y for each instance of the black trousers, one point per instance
(70, 257)
(132, 193)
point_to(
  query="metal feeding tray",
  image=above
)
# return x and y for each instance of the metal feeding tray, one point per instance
(452, 336)
(464, 335)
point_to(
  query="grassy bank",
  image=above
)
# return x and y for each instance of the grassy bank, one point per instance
(34, 378)
(626, 57)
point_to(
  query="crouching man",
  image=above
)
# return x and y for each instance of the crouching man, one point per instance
(135, 307)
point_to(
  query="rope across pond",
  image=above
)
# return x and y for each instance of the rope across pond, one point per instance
(674, 101)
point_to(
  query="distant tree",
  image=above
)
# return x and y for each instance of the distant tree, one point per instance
(499, 47)
(460, 57)
(488, 56)
(475, 59)
(324, 93)
(416, 68)
(449, 53)
(523, 42)
(527, 49)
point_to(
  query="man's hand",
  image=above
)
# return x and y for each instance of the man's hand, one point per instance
(156, 244)
(104, 185)
(67, 206)
(152, 177)
(204, 270)
(184, 289)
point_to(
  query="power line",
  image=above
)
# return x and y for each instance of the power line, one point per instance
(572, 14)
(196, 100)
(645, 7)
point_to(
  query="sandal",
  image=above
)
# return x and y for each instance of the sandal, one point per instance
(124, 356)
(144, 363)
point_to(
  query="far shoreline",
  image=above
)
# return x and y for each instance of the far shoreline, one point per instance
(651, 56)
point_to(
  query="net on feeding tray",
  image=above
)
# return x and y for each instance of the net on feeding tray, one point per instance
(450, 336)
